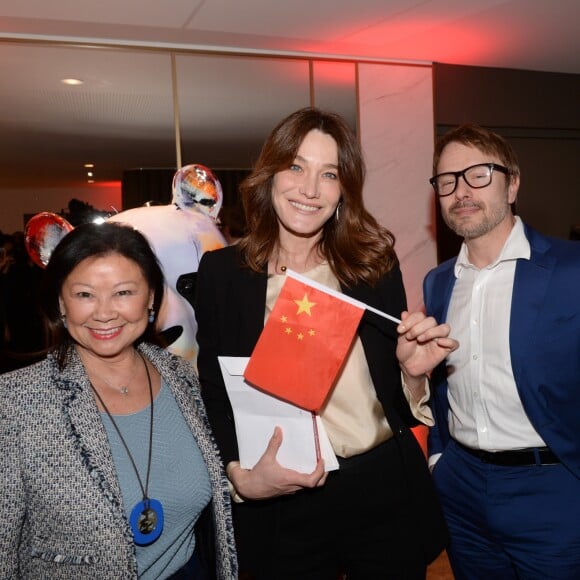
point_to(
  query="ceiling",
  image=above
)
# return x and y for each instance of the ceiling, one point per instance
(47, 129)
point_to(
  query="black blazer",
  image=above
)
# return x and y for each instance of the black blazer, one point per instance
(230, 307)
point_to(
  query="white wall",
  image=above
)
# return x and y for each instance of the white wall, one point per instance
(397, 136)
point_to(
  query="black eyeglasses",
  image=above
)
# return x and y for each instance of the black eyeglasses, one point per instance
(476, 176)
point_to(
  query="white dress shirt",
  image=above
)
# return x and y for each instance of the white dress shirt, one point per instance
(485, 409)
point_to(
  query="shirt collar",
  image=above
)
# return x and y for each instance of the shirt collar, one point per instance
(516, 247)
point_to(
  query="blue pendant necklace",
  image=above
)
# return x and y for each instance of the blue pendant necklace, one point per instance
(146, 517)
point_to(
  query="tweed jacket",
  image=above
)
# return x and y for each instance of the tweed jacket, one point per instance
(230, 308)
(61, 507)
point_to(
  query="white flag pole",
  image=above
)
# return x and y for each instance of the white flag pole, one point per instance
(339, 295)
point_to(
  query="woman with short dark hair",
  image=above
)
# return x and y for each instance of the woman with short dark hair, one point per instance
(108, 466)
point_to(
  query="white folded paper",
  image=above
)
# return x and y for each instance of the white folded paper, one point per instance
(256, 414)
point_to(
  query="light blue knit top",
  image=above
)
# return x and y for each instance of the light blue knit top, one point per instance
(179, 480)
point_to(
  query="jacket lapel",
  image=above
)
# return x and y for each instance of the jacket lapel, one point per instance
(88, 432)
(440, 293)
(252, 295)
(179, 382)
(530, 286)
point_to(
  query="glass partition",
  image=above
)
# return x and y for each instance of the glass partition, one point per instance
(228, 105)
(125, 116)
(334, 88)
(117, 118)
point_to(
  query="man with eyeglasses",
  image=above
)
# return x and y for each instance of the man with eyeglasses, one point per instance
(505, 450)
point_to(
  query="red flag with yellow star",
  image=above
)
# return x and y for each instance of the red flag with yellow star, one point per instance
(304, 343)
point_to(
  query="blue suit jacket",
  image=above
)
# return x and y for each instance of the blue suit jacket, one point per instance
(544, 343)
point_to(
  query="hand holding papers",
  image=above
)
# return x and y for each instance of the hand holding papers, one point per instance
(256, 414)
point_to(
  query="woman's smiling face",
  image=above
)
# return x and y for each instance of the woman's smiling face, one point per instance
(105, 300)
(306, 194)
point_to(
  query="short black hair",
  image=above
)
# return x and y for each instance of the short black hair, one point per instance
(91, 240)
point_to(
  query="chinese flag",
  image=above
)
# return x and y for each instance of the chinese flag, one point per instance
(304, 343)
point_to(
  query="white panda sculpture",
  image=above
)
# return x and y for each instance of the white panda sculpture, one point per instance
(179, 234)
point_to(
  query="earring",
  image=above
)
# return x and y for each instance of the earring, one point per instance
(63, 319)
(151, 315)
(337, 212)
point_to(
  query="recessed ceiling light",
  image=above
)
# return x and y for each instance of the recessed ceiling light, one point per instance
(90, 173)
(72, 82)
(89, 165)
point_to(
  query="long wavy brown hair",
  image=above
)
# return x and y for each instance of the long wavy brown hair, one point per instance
(356, 247)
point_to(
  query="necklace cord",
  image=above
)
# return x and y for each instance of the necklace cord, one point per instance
(144, 489)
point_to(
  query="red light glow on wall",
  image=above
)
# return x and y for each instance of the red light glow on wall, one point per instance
(107, 184)
(334, 73)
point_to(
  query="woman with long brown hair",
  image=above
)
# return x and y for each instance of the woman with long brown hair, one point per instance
(376, 516)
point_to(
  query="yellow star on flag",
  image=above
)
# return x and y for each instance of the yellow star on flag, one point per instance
(305, 305)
